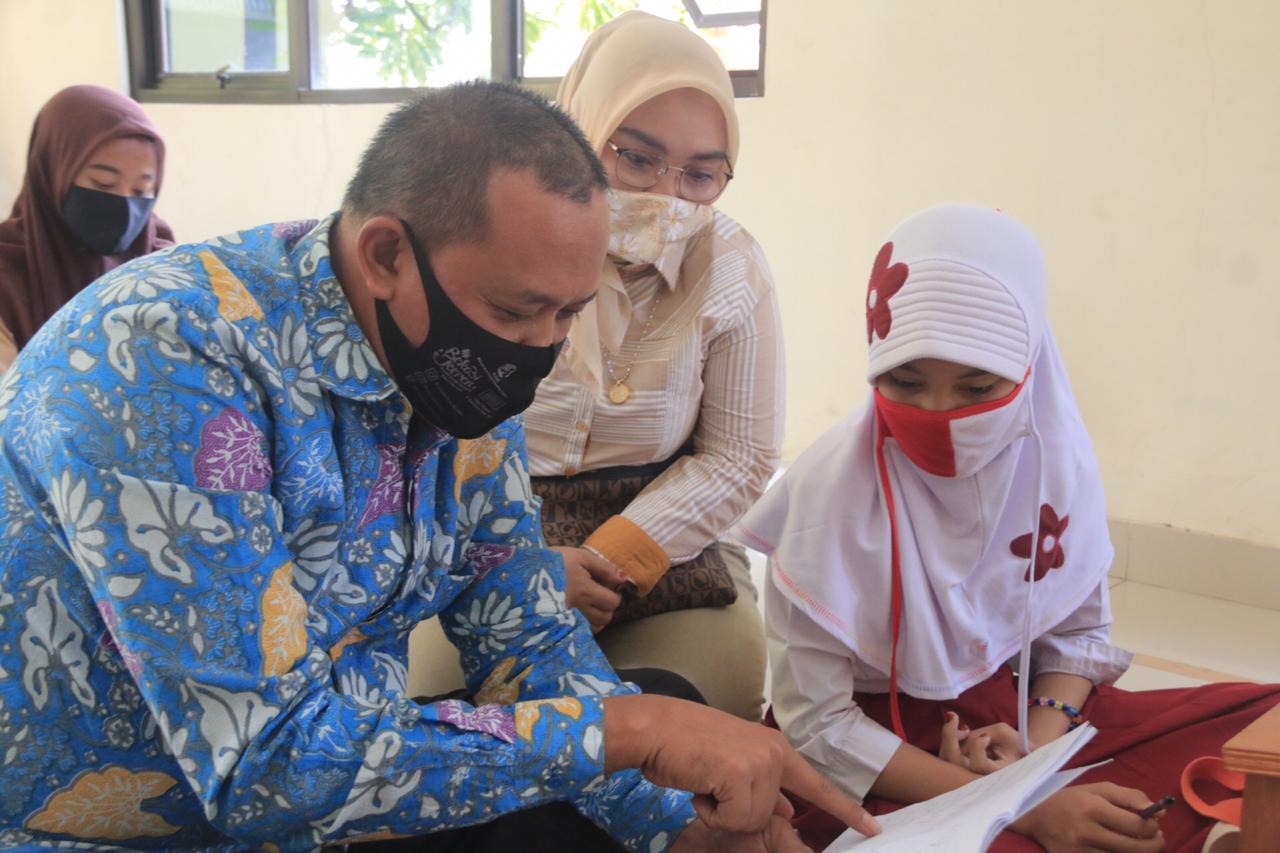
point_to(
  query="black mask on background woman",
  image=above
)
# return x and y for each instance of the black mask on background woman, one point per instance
(105, 223)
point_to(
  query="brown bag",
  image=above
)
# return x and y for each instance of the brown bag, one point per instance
(574, 507)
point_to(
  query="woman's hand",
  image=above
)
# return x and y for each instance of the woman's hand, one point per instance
(983, 750)
(591, 585)
(1101, 816)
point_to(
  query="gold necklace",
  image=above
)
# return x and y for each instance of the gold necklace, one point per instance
(620, 391)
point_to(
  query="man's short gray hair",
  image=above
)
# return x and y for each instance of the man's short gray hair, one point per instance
(432, 158)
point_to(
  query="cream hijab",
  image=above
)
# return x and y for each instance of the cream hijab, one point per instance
(630, 60)
(635, 57)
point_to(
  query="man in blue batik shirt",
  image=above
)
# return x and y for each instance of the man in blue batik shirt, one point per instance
(237, 473)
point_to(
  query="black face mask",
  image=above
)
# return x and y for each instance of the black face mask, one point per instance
(463, 379)
(105, 223)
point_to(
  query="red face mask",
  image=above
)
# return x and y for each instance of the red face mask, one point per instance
(958, 443)
(955, 443)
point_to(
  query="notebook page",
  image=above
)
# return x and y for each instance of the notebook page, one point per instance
(1048, 788)
(962, 820)
(1053, 784)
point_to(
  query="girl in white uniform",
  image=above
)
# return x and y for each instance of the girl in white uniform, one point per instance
(902, 592)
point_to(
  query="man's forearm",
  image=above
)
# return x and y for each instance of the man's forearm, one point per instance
(629, 724)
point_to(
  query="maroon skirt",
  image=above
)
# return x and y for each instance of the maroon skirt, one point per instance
(1149, 737)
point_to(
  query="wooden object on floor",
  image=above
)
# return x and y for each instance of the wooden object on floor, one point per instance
(1255, 752)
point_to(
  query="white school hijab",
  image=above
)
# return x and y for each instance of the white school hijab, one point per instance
(966, 495)
(628, 61)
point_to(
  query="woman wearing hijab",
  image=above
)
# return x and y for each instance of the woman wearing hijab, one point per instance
(94, 168)
(901, 580)
(662, 420)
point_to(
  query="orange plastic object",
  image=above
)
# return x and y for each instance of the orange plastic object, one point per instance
(1210, 767)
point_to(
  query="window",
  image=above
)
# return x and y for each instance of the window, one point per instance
(554, 31)
(279, 51)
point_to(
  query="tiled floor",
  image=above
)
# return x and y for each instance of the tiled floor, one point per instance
(1181, 639)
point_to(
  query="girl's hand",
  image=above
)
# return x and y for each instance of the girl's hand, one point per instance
(1093, 817)
(983, 750)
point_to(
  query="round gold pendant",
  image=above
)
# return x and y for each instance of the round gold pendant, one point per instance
(619, 393)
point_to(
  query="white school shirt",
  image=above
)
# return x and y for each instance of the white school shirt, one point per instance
(814, 679)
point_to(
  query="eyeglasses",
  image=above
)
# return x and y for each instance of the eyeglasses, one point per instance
(640, 170)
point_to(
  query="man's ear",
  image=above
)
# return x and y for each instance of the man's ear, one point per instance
(382, 250)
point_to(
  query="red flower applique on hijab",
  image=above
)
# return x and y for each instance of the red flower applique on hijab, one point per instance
(1051, 555)
(885, 282)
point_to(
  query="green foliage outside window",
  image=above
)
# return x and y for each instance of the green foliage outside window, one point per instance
(407, 37)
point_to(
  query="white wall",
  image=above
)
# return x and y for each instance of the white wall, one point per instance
(1140, 139)
(43, 48)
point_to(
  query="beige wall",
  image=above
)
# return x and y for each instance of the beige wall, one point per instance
(44, 47)
(1141, 140)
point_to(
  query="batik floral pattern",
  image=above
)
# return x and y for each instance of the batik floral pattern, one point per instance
(209, 570)
(345, 350)
(297, 376)
(283, 635)
(387, 494)
(232, 454)
(496, 720)
(107, 806)
(485, 557)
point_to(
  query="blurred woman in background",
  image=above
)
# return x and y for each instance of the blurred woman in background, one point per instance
(94, 168)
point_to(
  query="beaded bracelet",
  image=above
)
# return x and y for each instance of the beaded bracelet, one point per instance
(1058, 705)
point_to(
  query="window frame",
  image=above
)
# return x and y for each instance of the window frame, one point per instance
(149, 83)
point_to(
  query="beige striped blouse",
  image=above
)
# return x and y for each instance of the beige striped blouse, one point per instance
(710, 368)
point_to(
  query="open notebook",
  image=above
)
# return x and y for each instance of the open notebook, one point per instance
(968, 819)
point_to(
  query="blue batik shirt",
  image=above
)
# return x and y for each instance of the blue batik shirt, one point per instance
(218, 527)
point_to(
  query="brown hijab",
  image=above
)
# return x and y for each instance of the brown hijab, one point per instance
(42, 265)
